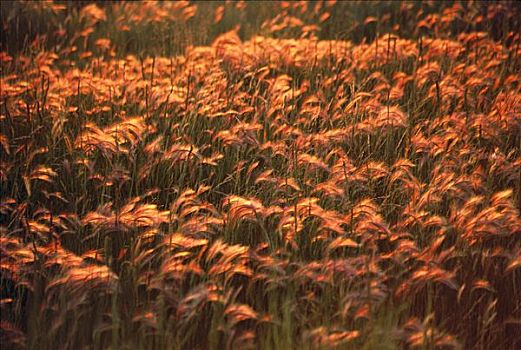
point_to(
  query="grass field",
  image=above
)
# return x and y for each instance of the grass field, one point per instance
(260, 175)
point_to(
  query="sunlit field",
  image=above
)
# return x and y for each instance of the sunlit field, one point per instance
(260, 175)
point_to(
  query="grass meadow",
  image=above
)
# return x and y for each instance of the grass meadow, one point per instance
(260, 175)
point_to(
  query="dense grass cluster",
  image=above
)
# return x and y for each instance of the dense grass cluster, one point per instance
(279, 175)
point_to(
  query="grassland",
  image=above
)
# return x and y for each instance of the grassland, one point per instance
(260, 175)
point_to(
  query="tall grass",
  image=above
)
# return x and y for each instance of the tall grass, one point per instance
(270, 175)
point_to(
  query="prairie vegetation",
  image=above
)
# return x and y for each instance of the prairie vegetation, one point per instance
(260, 175)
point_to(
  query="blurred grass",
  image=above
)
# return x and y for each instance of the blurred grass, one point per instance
(57, 25)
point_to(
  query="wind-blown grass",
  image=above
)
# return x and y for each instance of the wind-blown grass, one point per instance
(270, 175)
